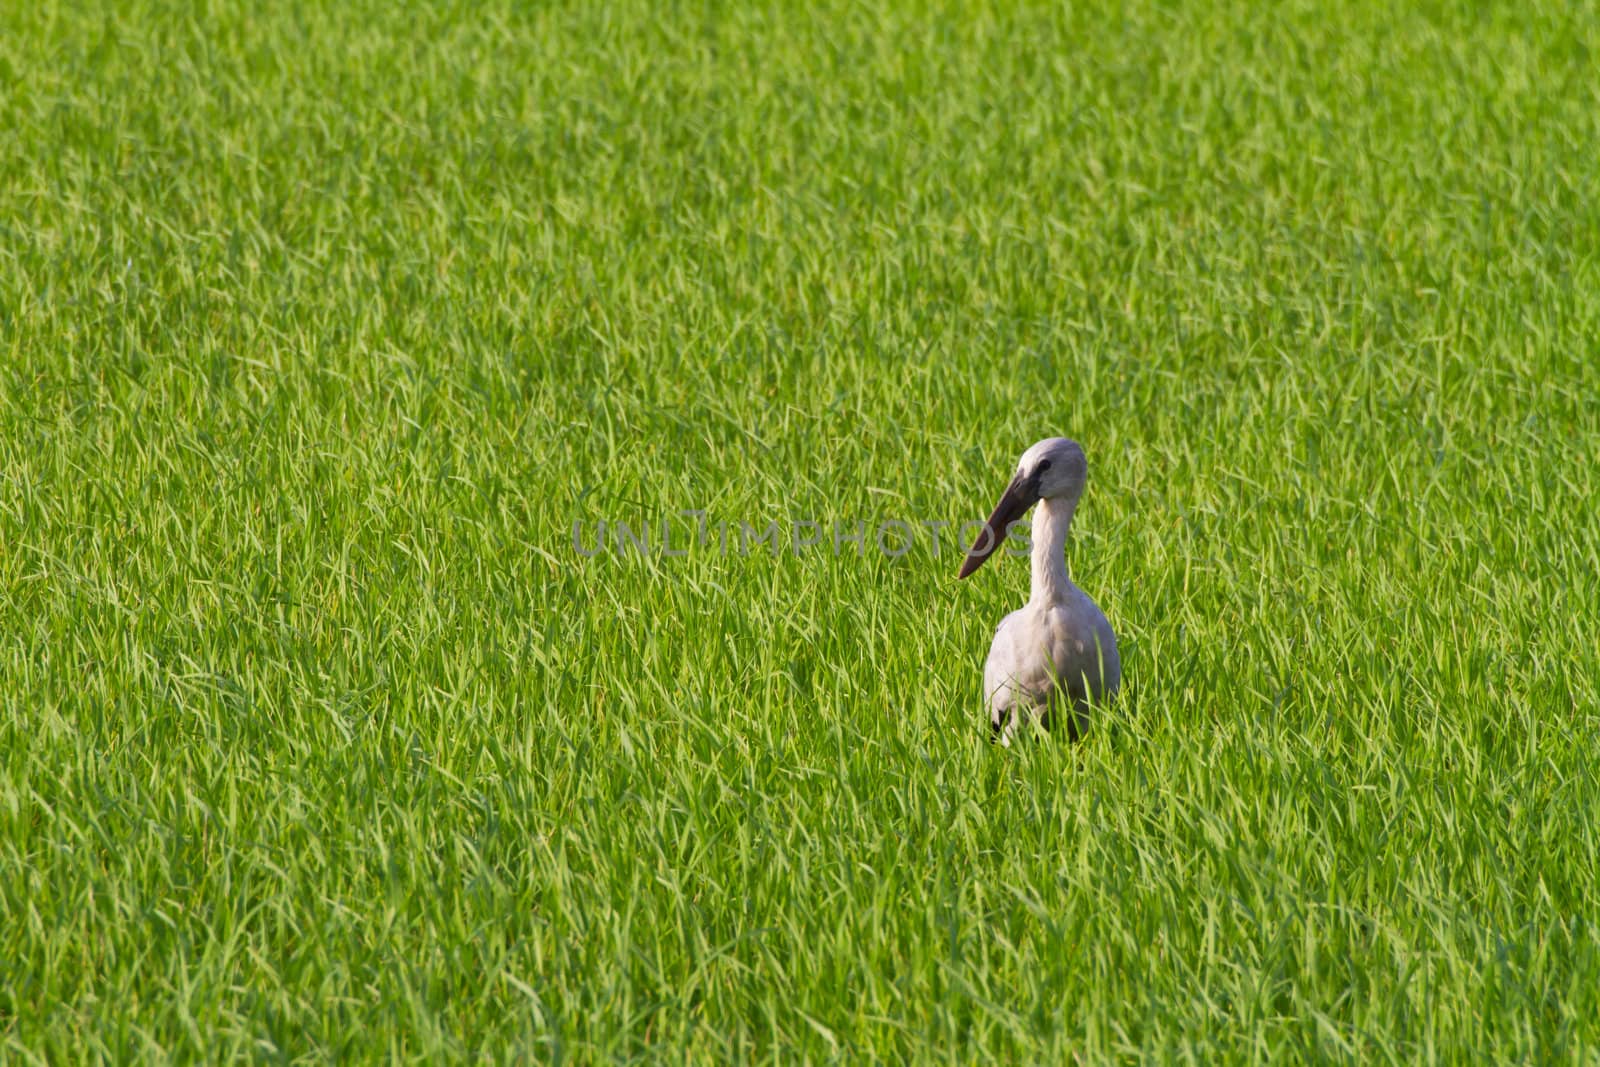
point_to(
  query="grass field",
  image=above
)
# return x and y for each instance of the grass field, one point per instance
(322, 324)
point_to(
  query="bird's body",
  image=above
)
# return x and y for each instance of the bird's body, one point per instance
(1057, 653)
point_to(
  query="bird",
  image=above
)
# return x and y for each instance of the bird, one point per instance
(1057, 652)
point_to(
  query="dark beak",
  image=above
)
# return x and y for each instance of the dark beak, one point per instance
(1019, 496)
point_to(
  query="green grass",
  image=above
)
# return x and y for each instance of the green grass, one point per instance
(320, 326)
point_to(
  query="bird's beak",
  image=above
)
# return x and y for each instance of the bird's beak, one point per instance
(1019, 496)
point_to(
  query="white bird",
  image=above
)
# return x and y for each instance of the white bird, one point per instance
(1057, 651)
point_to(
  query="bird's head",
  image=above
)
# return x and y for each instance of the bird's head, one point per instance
(1053, 469)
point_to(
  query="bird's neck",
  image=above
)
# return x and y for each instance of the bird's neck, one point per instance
(1050, 521)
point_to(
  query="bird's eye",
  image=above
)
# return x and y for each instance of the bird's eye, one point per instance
(1044, 465)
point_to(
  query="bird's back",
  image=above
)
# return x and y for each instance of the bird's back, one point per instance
(1042, 653)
